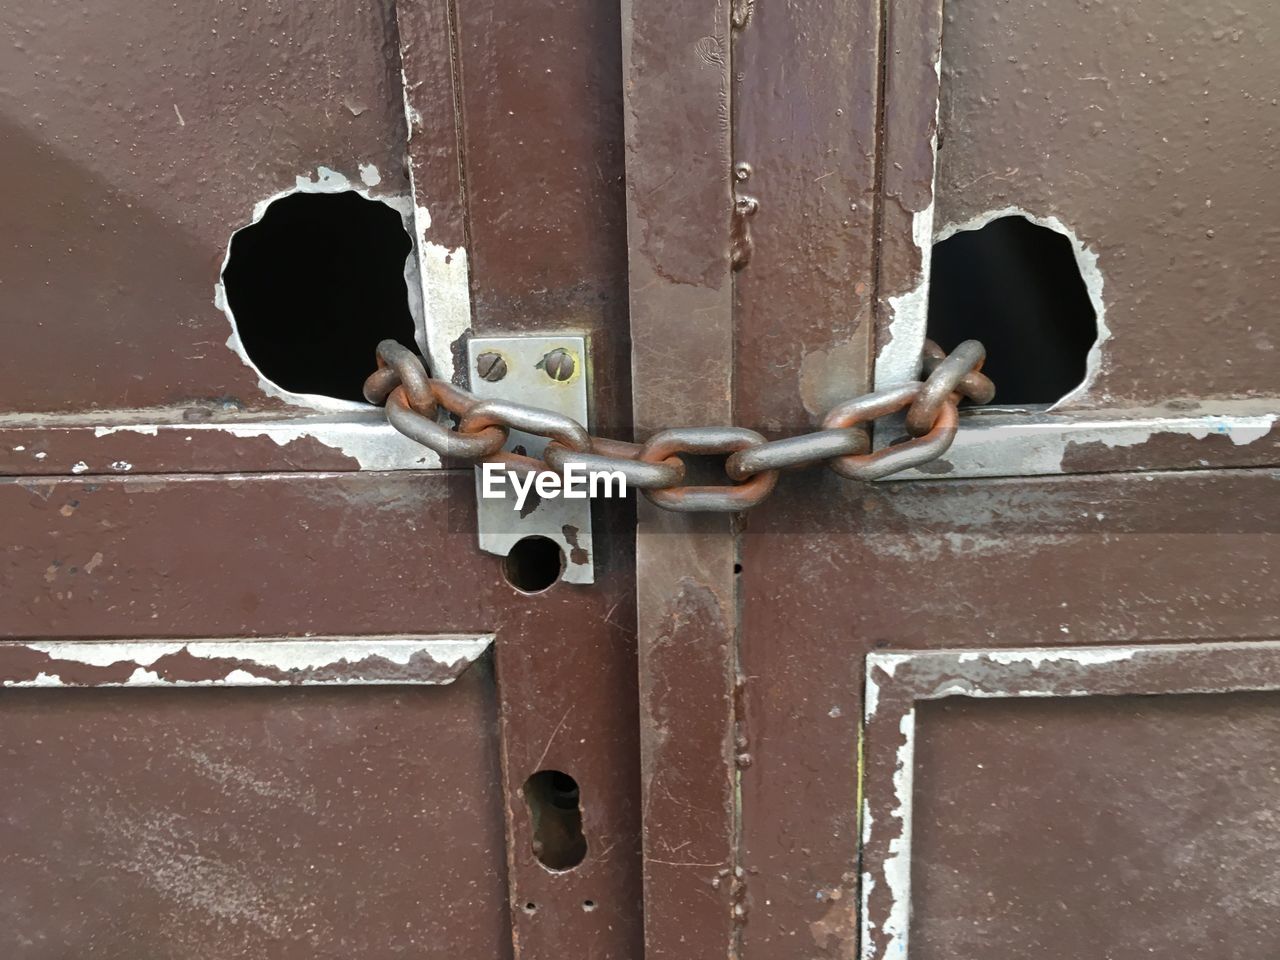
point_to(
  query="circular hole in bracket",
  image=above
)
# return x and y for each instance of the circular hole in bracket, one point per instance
(534, 564)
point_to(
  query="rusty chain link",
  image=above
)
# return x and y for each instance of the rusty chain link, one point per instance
(414, 400)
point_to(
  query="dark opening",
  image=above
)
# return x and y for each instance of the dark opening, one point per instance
(1015, 286)
(314, 285)
(534, 564)
(555, 810)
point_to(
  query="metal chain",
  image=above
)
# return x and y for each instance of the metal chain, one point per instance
(414, 401)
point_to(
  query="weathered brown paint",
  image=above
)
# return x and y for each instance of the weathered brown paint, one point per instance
(847, 569)
(218, 824)
(141, 142)
(232, 662)
(680, 203)
(1167, 849)
(804, 123)
(541, 154)
(909, 94)
(284, 554)
(518, 151)
(47, 450)
(1092, 863)
(1147, 128)
(805, 118)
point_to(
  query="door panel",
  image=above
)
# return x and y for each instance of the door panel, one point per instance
(356, 555)
(1110, 824)
(1117, 826)
(229, 823)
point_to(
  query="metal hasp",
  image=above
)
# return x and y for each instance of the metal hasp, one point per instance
(550, 373)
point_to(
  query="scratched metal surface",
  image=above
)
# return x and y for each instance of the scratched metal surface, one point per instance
(1149, 129)
(833, 572)
(351, 555)
(679, 205)
(252, 823)
(142, 135)
(1112, 826)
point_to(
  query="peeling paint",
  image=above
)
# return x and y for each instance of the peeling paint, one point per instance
(325, 181)
(375, 446)
(1032, 672)
(281, 654)
(366, 438)
(898, 360)
(1024, 444)
(1036, 656)
(897, 866)
(107, 431)
(1086, 263)
(285, 661)
(445, 296)
(825, 375)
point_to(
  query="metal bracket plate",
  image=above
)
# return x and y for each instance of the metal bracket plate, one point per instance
(568, 522)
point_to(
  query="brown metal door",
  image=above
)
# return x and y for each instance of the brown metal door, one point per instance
(263, 694)
(190, 781)
(1019, 701)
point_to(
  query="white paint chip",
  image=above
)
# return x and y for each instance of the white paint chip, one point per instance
(291, 656)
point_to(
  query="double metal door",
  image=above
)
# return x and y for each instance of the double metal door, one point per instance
(264, 694)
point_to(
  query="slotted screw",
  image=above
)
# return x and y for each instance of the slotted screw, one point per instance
(491, 366)
(559, 364)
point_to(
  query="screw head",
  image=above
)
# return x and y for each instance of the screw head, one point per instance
(491, 366)
(559, 364)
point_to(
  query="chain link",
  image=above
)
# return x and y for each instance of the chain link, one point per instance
(414, 401)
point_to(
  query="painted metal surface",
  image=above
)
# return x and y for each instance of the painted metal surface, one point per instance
(241, 823)
(680, 205)
(357, 555)
(158, 489)
(1114, 559)
(500, 524)
(896, 682)
(130, 196)
(1051, 128)
(195, 484)
(538, 101)
(1117, 122)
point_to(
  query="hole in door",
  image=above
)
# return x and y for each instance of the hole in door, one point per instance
(555, 812)
(534, 564)
(1016, 286)
(315, 285)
